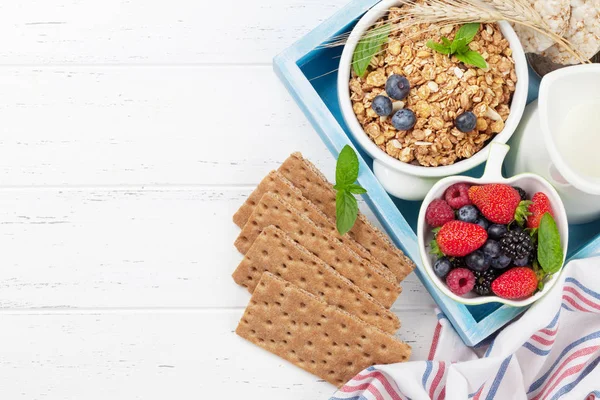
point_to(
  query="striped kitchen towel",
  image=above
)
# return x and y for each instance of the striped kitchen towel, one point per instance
(551, 352)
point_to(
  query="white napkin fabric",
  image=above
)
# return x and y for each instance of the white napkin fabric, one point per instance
(551, 352)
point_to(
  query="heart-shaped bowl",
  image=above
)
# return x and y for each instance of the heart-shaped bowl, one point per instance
(531, 183)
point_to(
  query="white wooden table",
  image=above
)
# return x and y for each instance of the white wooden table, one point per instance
(130, 132)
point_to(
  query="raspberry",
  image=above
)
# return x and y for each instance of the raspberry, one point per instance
(457, 195)
(438, 213)
(460, 281)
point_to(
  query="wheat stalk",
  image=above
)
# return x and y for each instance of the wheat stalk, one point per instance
(455, 12)
(486, 11)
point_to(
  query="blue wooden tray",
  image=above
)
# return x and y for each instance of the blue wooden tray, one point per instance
(301, 68)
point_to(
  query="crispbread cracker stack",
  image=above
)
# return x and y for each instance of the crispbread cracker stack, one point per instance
(380, 283)
(274, 182)
(275, 252)
(315, 187)
(319, 338)
(583, 32)
(278, 184)
(556, 13)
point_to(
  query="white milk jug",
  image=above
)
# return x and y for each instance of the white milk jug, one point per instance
(559, 139)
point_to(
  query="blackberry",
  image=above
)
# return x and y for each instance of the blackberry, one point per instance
(517, 244)
(483, 282)
(458, 262)
(522, 193)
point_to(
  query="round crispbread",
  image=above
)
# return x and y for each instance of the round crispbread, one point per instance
(583, 33)
(556, 13)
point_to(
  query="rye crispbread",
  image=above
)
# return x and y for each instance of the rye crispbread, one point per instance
(319, 338)
(379, 282)
(275, 252)
(276, 183)
(315, 187)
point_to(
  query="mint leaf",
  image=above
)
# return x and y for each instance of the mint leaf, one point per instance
(346, 209)
(368, 46)
(550, 254)
(472, 58)
(440, 48)
(467, 32)
(460, 46)
(356, 189)
(346, 171)
(463, 48)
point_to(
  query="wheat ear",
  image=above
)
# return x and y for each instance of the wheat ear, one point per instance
(486, 11)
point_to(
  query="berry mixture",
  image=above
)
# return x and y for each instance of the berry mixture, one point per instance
(487, 239)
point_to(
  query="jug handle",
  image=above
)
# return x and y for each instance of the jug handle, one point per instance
(493, 166)
(556, 177)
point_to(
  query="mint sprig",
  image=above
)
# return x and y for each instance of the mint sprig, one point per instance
(459, 47)
(549, 254)
(367, 47)
(346, 174)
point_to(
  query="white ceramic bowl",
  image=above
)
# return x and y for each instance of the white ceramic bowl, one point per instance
(531, 183)
(407, 181)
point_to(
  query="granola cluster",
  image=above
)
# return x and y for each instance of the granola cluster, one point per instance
(441, 89)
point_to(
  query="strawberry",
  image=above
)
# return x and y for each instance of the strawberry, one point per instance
(458, 238)
(497, 202)
(515, 283)
(540, 206)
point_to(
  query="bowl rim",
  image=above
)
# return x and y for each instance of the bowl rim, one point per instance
(425, 257)
(517, 105)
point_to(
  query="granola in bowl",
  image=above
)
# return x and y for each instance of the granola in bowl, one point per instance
(442, 88)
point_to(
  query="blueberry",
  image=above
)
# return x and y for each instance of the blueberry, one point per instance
(478, 261)
(492, 248)
(501, 261)
(482, 222)
(382, 106)
(497, 231)
(522, 193)
(466, 122)
(522, 262)
(442, 266)
(397, 87)
(468, 214)
(404, 119)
